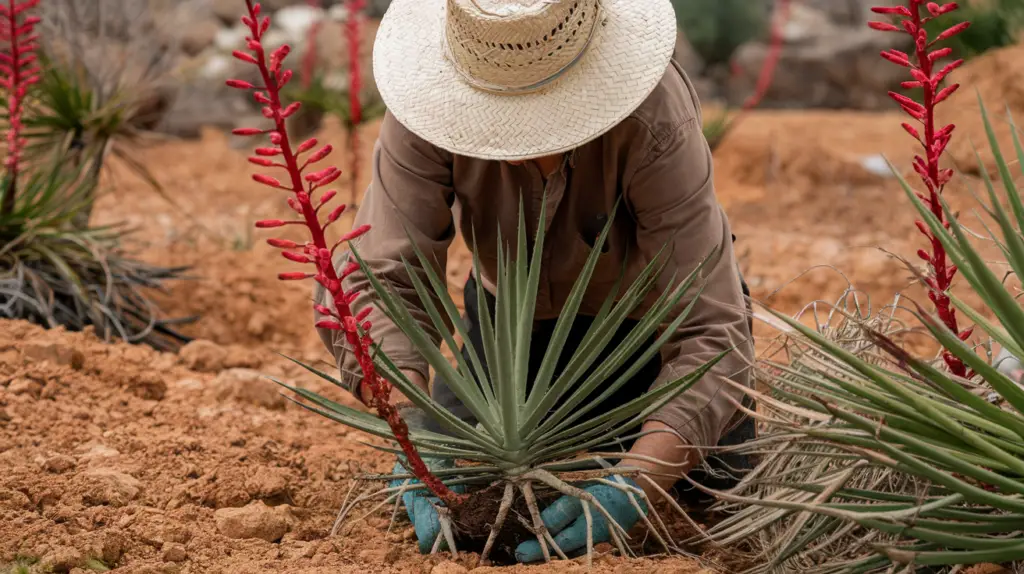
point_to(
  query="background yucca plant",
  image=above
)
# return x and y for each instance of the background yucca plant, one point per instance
(56, 269)
(537, 436)
(884, 460)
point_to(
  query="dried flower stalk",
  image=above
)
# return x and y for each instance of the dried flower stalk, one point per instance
(315, 252)
(922, 66)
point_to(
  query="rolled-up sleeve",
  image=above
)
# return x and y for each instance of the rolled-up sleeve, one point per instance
(408, 202)
(673, 201)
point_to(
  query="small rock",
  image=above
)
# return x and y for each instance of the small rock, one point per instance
(258, 324)
(23, 386)
(173, 552)
(5, 417)
(99, 453)
(110, 487)
(448, 568)
(242, 358)
(198, 36)
(257, 520)
(59, 464)
(148, 386)
(249, 386)
(61, 559)
(50, 390)
(56, 353)
(267, 483)
(203, 356)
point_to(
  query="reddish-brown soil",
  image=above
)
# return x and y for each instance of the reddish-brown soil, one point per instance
(150, 462)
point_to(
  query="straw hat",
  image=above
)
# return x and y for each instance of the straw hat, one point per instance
(519, 79)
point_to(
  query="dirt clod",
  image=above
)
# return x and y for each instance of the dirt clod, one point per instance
(59, 463)
(256, 520)
(25, 386)
(56, 353)
(203, 356)
(109, 487)
(173, 552)
(61, 559)
(249, 386)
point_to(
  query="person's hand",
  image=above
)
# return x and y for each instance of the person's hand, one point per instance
(420, 503)
(568, 525)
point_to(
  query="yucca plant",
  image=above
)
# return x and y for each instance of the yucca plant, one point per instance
(533, 433)
(53, 270)
(880, 460)
(889, 457)
(538, 434)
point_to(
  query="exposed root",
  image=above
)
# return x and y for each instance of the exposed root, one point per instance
(615, 530)
(590, 533)
(499, 521)
(540, 530)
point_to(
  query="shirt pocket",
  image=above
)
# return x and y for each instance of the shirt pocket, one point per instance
(608, 269)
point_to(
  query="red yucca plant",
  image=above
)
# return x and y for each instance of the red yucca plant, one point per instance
(928, 77)
(308, 199)
(19, 71)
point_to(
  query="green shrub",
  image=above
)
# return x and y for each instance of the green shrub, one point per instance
(716, 28)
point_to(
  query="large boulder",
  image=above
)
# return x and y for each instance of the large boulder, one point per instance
(821, 65)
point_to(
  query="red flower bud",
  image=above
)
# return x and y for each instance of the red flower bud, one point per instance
(275, 138)
(945, 93)
(924, 255)
(953, 31)
(248, 131)
(911, 130)
(244, 57)
(296, 257)
(261, 161)
(270, 223)
(883, 27)
(294, 276)
(321, 154)
(306, 146)
(355, 233)
(336, 213)
(268, 151)
(328, 324)
(363, 314)
(291, 109)
(327, 196)
(323, 310)
(239, 84)
(891, 10)
(266, 180)
(282, 243)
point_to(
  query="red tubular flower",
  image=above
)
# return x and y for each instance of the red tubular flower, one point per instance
(18, 71)
(316, 250)
(934, 140)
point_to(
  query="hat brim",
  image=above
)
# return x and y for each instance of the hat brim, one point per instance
(626, 59)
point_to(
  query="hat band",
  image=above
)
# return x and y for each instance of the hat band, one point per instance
(519, 90)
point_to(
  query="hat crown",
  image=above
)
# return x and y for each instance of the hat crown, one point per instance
(511, 46)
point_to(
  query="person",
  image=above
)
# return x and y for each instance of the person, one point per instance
(570, 104)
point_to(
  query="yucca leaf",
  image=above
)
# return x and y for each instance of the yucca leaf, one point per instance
(574, 408)
(461, 382)
(564, 323)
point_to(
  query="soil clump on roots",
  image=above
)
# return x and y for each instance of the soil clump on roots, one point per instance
(474, 520)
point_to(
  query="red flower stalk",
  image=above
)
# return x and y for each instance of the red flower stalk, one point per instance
(353, 34)
(922, 66)
(309, 58)
(316, 252)
(18, 71)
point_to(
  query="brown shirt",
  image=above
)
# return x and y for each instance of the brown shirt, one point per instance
(657, 159)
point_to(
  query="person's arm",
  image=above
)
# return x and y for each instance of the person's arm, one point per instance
(409, 200)
(672, 198)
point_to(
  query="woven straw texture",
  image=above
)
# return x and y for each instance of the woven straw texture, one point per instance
(519, 79)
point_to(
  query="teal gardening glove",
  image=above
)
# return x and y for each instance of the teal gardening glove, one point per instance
(566, 522)
(419, 503)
